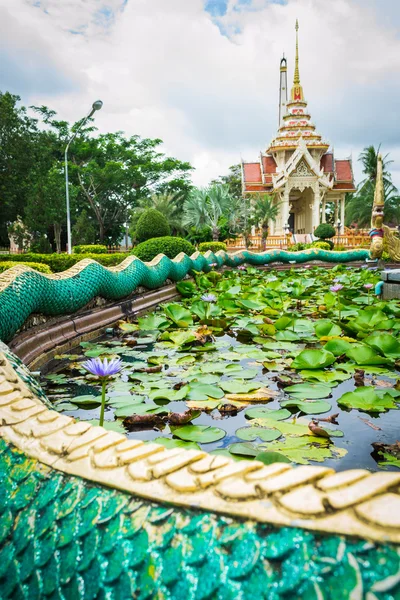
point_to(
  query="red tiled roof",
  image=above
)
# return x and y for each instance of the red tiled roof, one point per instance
(327, 163)
(343, 170)
(344, 186)
(269, 164)
(252, 172)
(257, 188)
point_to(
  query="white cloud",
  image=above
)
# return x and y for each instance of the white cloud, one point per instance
(163, 69)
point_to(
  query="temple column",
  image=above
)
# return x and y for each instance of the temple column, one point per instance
(342, 207)
(315, 208)
(323, 219)
(285, 208)
(336, 213)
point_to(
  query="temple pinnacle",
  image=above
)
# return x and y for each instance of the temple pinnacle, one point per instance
(297, 90)
(296, 80)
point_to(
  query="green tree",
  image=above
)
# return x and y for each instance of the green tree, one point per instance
(205, 207)
(18, 154)
(233, 180)
(115, 173)
(359, 205)
(83, 231)
(264, 211)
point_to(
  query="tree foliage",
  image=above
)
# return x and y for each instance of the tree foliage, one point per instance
(109, 175)
(359, 205)
(205, 207)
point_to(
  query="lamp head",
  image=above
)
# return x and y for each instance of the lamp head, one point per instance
(97, 105)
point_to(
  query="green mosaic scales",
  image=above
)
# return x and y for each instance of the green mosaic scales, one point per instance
(64, 539)
(32, 292)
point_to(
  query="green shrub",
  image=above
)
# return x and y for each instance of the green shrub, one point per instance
(8, 264)
(325, 231)
(213, 246)
(61, 262)
(168, 245)
(386, 256)
(90, 249)
(340, 248)
(321, 245)
(151, 224)
(299, 246)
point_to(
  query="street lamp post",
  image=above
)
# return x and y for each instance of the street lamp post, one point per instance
(95, 106)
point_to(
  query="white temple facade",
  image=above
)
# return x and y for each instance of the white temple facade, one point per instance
(297, 169)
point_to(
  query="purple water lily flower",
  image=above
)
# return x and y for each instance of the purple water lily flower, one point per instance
(100, 368)
(209, 298)
(213, 265)
(336, 288)
(103, 370)
(368, 286)
(242, 267)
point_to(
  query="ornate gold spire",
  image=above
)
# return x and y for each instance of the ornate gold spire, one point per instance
(297, 90)
(296, 80)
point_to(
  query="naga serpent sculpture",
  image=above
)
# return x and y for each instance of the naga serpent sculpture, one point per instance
(86, 513)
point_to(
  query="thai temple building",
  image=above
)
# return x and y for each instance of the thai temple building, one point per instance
(297, 168)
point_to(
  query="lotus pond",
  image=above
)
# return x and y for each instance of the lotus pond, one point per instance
(297, 365)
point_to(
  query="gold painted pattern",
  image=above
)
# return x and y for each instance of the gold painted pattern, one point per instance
(353, 502)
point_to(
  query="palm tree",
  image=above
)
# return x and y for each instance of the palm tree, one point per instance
(204, 207)
(264, 211)
(359, 207)
(369, 160)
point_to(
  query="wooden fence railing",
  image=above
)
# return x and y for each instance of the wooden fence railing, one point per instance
(359, 240)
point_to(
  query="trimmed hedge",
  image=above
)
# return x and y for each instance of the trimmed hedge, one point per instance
(8, 264)
(61, 262)
(151, 224)
(213, 246)
(325, 231)
(90, 249)
(168, 245)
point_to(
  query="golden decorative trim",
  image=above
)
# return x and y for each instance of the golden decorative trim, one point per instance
(352, 503)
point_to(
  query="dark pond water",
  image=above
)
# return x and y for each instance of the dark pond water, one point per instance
(358, 435)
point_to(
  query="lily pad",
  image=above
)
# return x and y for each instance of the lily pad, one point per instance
(261, 412)
(152, 322)
(204, 434)
(366, 399)
(179, 315)
(268, 458)
(309, 390)
(252, 433)
(313, 359)
(313, 407)
(244, 449)
(325, 328)
(237, 386)
(174, 443)
(109, 425)
(365, 355)
(384, 343)
(203, 391)
(87, 400)
(337, 346)
(308, 448)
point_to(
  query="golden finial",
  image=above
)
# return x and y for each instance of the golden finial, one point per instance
(296, 80)
(297, 90)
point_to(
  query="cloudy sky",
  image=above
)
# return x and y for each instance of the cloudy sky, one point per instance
(203, 74)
